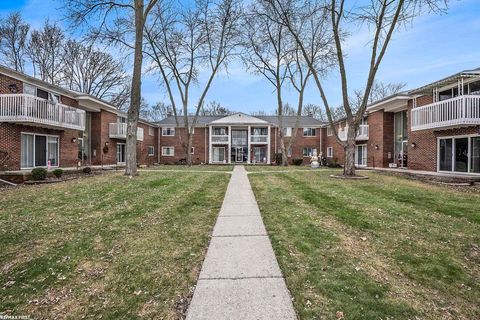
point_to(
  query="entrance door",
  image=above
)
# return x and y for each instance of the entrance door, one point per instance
(361, 155)
(121, 147)
(40, 151)
(239, 154)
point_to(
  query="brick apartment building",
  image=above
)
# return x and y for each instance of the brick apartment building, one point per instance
(434, 128)
(45, 125)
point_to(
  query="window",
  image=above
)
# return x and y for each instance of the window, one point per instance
(121, 119)
(361, 155)
(309, 132)
(168, 132)
(289, 152)
(309, 151)
(121, 152)
(151, 151)
(259, 131)
(218, 154)
(287, 132)
(329, 152)
(38, 150)
(459, 154)
(329, 131)
(219, 131)
(151, 131)
(168, 151)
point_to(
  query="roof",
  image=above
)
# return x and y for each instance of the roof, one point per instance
(202, 121)
(474, 73)
(391, 103)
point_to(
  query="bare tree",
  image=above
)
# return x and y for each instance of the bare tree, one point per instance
(92, 71)
(214, 108)
(119, 22)
(383, 17)
(156, 112)
(271, 51)
(13, 40)
(45, 50)
(184, 42)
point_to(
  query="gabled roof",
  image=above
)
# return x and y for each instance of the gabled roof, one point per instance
(474, 73)
(239, 118)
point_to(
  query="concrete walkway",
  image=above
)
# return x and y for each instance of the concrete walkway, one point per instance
(240, 277)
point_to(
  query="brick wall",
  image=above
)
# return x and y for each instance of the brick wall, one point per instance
(10, 141)
(6, 82)
(200, 144)
(380, 146)
(338, 150)
(142, 146)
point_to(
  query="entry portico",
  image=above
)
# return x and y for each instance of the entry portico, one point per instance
(239, 138)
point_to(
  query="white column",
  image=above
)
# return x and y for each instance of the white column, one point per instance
(268, 144)
(229, 151)
(248, 144)
(209, 144)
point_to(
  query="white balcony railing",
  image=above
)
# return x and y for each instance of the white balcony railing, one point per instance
(27, 108)
(118, 130)
(462, 110)
(362, 133)
(220, 138)
(258, 138)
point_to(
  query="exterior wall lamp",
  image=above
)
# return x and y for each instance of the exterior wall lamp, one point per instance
(413, 145)
(377, 147)
(74, 140)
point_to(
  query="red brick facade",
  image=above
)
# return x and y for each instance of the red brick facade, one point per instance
(200, 146)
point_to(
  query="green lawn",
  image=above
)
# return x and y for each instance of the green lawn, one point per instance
(382, 248)
(106, 246)
(260, 168)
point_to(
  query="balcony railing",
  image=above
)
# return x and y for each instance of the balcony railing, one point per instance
(27, 108)
(220, 138)
(362, 133)
(118, 130)
(462, 110)
(259, 138)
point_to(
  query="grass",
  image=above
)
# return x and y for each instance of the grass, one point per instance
(193, 168)
(106, 246)
(382, 248)
(261, 168)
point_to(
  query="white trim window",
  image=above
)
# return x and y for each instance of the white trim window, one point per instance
(151, 131)
(309, 151)
(459, 154)
(168, 151)
(218, 154)
(329, 152)
(38, 150)
(287, 132)
(151, 151)
(309, 132)
(329, 131)
(168, 132)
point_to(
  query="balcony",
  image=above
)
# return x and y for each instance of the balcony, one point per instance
(458, 111)
(24, 108)
(223, 139)
(118, 130)
(259, 139)
(362, 133)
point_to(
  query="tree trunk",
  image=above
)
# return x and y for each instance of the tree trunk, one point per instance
(349, 163)
(134, 110)
(284, 151)
(189, 149)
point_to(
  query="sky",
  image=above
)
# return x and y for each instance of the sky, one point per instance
(432, 47)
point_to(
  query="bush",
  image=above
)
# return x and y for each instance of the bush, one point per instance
(278, 159)
(87, 170)
(39, 174)
(58, 173)
(297, 161)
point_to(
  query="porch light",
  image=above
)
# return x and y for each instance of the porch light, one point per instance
(74, 140)
(413, 145)
(377, 147)
(106, 143)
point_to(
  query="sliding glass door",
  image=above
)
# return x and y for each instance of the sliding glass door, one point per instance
(459, 154)
(38, 150)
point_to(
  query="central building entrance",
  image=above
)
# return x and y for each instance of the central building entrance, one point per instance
(239, 149)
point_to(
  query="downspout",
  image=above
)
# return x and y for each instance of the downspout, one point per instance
(159, 144)
(321, 150)
(205, 144)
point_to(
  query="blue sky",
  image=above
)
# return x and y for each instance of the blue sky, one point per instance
(432, 47)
